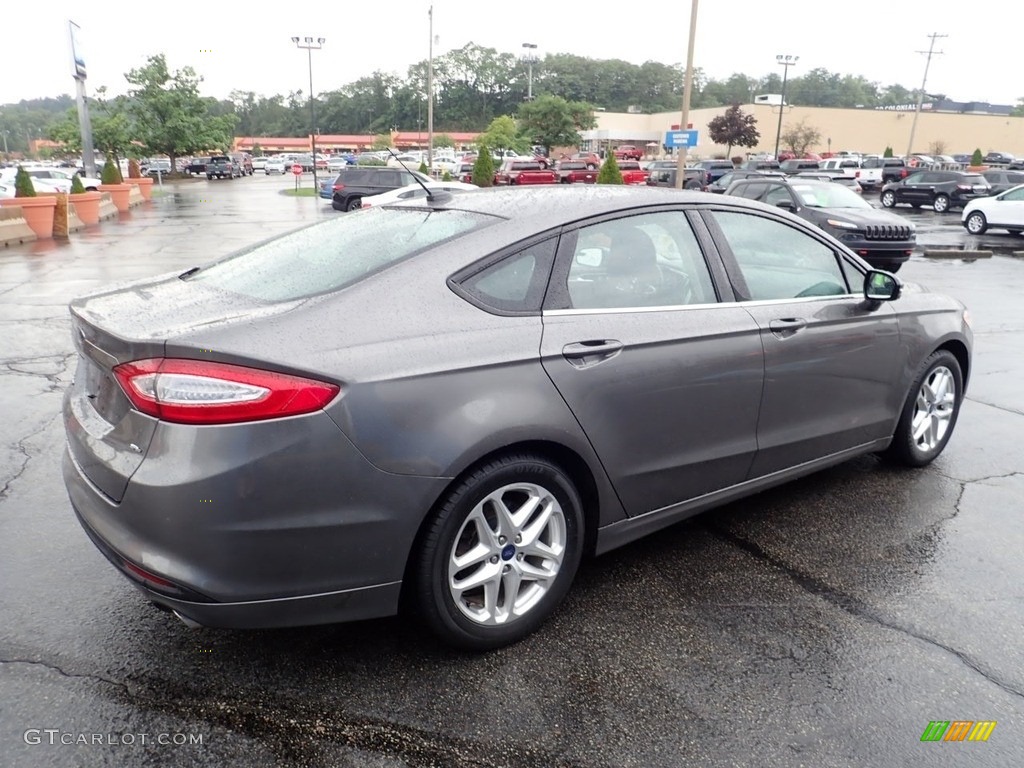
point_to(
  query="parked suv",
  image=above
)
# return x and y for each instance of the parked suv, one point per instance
(718, 187)
(244, 163)
(940, 189)
(222, 167)
(883, 239)
(696, 178)
(356, 182)
(717, 168)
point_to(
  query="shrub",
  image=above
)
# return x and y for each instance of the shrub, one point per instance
(423, 169)
(23, 186)
(888, 152)
(370, 161)
(977, 158)
(483, 168)
(446, 176)
(76, 185)
(609, 173)
(110, 174)
(134, 171)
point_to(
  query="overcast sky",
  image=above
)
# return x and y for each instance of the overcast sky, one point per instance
(247, 46)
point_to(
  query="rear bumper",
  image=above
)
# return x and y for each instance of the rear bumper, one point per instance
(283, 526)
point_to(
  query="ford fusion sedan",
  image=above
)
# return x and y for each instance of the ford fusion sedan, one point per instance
(1005, 211)
(442, 406)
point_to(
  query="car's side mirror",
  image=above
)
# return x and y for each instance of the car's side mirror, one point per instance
(881, 286)
(787, 204)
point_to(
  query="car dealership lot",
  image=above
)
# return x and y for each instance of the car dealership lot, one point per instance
(825, 622)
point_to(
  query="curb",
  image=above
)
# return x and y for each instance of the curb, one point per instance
(952, 253)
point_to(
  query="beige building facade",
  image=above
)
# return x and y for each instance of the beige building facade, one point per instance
(858, 130)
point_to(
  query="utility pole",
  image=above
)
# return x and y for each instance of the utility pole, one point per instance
(684, 118)
(920, 96)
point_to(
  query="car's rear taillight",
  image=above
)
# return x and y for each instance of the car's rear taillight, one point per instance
(338, 187)
(965, 187)
(201, 392)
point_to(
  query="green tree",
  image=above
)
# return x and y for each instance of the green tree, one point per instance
(887, 152)
(110, 174)
(483, 168)
(734, 128)
(551, 121)
(77, 187)
(23, 186)
(171, 118)
(977, 158)
(609, 173)
(382, 141)
(444, 140)
(503, 134)
(801, 137)
(1018, 111)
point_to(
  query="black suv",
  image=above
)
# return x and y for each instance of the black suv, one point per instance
(883, 239)
(940, 189)
(716, 168)
(356, 182)
(695, 178)
(718, 187)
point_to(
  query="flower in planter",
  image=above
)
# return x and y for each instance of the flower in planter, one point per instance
(23, 186)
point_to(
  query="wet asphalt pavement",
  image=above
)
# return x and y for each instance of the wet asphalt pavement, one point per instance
(823, 623)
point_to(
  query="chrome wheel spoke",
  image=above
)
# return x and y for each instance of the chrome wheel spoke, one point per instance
(934, 409)
(507, 554)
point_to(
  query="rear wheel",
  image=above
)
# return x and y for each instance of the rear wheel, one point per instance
(976, 223)
(354, 204)
(500, 553)
(941, 204)
(930, 411)
(888, 198)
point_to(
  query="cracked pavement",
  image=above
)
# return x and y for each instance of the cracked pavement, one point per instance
(822, 623)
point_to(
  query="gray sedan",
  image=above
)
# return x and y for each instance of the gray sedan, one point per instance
(442, 405)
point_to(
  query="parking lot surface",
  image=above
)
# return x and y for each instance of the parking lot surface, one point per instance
(823, 623)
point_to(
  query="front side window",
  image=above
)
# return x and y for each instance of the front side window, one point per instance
(651, 260)
(779, 261)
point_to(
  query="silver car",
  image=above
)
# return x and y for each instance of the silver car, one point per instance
(444, 404)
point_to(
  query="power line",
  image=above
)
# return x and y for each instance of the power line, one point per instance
(920, 96)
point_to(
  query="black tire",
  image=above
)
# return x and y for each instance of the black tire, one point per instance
(209, 176)
(976, 223)
(941, 203)
(918, 451)
(462, 620)
(888, 198)
(354, 204)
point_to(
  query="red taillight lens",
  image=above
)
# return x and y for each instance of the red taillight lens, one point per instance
(201, 392)
(337, 187)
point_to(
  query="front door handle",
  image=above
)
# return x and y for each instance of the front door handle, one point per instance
(787, 326)
(583, 354)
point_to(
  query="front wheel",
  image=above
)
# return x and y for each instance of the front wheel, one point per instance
(976, 223)
(941, 204)
(499, 554)
(889, 198)
(930, 411)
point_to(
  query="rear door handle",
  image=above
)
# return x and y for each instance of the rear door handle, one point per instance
(583, 354)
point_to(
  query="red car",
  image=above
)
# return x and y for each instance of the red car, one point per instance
(593, 161)
(628, 152)
(632, 173)
(516, 172)
(575, 172)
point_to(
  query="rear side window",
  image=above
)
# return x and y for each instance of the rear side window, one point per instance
(516, 283)
(337, 253)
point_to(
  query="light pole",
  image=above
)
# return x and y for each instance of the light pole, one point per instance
(311, 45)
(5, 143)
(684, 118)
(430, 93)
(786, 61)
(530, 57)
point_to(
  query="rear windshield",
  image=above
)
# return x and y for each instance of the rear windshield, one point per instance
(337, 253)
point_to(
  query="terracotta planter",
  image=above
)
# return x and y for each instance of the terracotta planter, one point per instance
(145, 185)
(87, 206)
(38, 212)
(119, 194)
